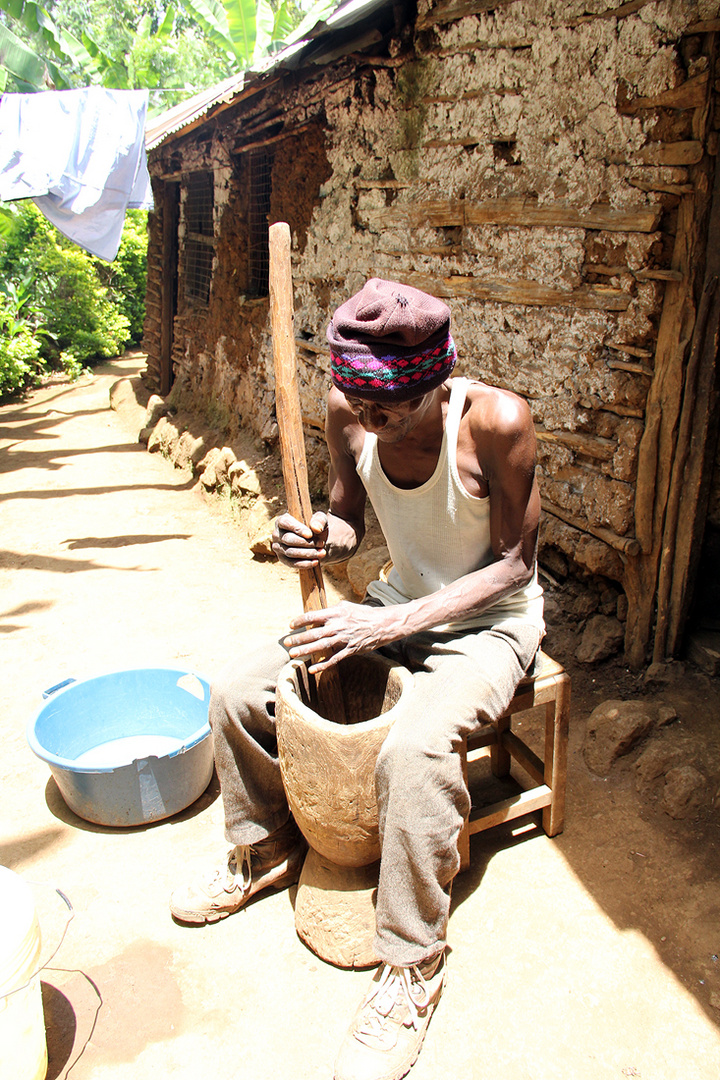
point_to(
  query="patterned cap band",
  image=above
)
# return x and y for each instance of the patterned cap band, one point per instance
(390, 341)
(386, 374)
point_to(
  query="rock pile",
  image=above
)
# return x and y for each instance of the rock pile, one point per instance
(666, 769)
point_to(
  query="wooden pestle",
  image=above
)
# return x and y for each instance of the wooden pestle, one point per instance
(292, 444)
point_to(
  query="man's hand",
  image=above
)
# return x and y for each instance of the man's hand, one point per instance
(341, 631)
(297, 545)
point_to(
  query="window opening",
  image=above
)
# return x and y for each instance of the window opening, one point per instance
(260, 189)
(199, 235)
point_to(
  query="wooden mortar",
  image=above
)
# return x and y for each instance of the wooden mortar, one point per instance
(328, 769)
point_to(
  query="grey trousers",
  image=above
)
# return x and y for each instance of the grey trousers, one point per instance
(461, 680)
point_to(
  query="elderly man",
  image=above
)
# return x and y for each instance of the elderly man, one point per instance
(449, 467)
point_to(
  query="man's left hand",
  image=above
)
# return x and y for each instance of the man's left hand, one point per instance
(340, 631)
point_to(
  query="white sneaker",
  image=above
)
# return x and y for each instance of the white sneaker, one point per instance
(387, 1032)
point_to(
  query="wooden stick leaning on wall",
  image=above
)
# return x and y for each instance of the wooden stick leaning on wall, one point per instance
(292, 443)
(687, 500)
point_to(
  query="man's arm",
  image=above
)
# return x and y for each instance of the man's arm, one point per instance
(346, 508)
(335, 536)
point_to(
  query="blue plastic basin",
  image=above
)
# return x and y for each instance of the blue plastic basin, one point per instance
(128, 747)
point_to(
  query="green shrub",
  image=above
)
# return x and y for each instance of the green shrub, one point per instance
(126, 277)
(20, 362)
(71, 365)
(75, 308)
(17, 238)
(77, 312)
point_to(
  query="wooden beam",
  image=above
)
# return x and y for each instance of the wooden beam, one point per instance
(529, 212)
(691, 94)
(387, 185)
(436, 213)
(580, 443)
(521, 212)
(448, 11)
(678, 153)
(321, 350)
(707, 26)
(465, 47)
(585, 298)
(605, 271)
(708, 310)
(673, 336)
(657, 275)
(626, 545)
(657, 185)
(397, 251)
(288, 132)
(620, 12)
(592, 401)
(509, 809)
(631, 350)
(633, 368)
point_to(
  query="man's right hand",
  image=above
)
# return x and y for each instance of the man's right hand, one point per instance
(297, 545)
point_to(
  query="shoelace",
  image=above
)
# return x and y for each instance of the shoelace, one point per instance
(244, 869)
(225, 877)
(395, 987)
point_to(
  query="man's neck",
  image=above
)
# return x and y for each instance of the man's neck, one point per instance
(412, 460)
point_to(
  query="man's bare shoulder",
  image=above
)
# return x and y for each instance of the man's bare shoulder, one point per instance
(494, 411)
(343, 433)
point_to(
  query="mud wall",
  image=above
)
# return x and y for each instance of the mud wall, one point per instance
(539, 166)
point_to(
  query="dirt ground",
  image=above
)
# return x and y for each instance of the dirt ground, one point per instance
(591, 956)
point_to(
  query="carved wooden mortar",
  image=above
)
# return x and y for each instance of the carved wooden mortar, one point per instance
(328, 768)
(329, 774)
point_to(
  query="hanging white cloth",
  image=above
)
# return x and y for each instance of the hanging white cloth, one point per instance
(80, 156)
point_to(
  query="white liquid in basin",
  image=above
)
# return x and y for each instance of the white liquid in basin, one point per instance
(126, 750)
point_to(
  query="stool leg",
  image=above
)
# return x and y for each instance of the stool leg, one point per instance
(464, 837)
(557, 718)
(499, 756)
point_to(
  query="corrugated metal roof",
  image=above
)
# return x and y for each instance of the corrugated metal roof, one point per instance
(319, 45)
(191, 109)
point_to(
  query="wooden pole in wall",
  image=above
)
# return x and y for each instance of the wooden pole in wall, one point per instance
(687, 505)
(292, 442)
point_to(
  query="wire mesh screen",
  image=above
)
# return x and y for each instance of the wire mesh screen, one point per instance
(198, 270)
(199, 236)
(260, 189)
(199, 203)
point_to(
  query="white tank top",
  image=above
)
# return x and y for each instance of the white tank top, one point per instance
(438, 532)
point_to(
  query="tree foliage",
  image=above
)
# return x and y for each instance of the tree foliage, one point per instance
(171, 48)
(246, 31)
(120, 44)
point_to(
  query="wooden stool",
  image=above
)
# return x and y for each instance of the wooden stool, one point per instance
(549, 686)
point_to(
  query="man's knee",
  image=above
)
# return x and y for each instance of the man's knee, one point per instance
(409, 762)
(237, 692)
(245, 688)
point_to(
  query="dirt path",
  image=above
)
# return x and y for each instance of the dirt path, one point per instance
(592, 956)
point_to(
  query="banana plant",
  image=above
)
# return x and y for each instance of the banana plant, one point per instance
(98, 66)
(19, 60)
(31, 71)
(248, 30)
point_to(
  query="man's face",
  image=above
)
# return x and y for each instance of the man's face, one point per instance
(390, 421)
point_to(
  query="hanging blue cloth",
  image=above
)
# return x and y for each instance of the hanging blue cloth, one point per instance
(80, 156)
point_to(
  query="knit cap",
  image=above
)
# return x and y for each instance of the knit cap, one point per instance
(390, 342)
